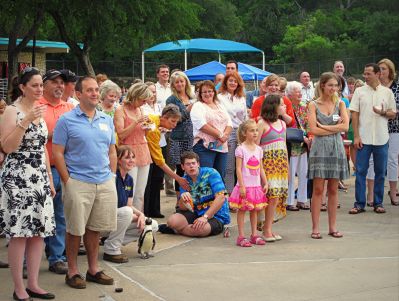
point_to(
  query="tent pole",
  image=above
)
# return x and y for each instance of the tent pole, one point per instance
(263, 60)
(185, 60)
(219, 57)
(142, 66)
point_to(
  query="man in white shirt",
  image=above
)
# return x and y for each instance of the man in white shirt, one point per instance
(371, 106)
(162, 86)
(163, 91)
(307, 89)
(339, 69)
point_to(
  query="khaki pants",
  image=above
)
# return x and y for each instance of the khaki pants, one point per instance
(91, 206)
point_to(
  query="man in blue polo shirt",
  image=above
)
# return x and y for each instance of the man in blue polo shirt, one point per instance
(85, 157)
(207, 199)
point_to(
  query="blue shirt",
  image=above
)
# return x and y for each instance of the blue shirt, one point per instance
(251, 96)
(346, 101)
(203, 191)
(86, 144)
(124, 188)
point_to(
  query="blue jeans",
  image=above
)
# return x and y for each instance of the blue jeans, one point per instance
(380, 157)
(209, 158)
(56, 244)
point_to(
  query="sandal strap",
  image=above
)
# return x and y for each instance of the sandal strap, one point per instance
(243, 242)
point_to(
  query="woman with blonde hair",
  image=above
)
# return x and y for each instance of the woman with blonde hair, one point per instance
(387, 79)
(273, 85)
(181, 137)
(327, 160)
(131, 125)
(232, 97)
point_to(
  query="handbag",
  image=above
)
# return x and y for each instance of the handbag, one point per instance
(295, 135)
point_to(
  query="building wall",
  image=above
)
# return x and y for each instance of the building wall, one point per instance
(26, 57)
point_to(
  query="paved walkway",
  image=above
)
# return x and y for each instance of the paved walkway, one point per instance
(364, 265)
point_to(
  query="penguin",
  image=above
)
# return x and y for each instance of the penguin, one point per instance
(147, 240)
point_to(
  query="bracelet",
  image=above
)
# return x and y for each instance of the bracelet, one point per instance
(19, 124)
(50, 173)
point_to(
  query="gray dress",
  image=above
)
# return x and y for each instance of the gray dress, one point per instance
(327, 158)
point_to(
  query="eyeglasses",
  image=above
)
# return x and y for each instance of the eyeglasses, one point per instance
(208, 92)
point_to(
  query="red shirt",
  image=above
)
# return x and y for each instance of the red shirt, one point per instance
(257, 106)
(51, 117)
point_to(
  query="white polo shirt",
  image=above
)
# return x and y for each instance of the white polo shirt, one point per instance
(373, 128)
(162, 94)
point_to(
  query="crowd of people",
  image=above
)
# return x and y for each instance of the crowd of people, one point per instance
(84, 160)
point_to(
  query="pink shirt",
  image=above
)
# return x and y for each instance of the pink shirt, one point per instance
(218, 118)
(251, 163)
(137, 142)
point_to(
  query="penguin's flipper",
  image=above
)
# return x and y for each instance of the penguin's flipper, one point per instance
(153, 242)
(140, 242)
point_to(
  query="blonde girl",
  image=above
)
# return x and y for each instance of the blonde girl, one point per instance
(248, 194)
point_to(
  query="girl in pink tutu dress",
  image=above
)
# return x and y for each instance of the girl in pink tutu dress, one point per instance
(248, 194)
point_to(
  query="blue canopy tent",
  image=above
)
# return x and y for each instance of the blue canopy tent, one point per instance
(205, 71)
(249, 72)
(209, 70)
(202, 45)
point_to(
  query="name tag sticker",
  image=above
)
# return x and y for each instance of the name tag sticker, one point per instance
(103, 127)
(336, 117)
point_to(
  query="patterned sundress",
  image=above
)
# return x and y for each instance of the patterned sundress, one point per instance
(26, 205)
(275, 164)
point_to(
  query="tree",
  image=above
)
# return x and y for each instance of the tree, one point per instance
(120, 28)
(21, 20)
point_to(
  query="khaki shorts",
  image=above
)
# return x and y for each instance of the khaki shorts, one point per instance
(91, 206)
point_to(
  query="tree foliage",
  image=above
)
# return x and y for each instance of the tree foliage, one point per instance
(286, 30)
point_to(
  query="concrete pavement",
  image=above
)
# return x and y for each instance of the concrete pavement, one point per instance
(363, 265)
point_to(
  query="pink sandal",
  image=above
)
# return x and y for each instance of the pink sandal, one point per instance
(257, 240)
(243, 242)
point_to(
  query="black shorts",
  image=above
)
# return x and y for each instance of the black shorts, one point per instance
(216, 225)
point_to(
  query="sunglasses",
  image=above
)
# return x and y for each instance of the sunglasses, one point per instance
(29, 70)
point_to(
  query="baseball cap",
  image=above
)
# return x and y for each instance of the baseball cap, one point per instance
(52, 74)
(70, 77)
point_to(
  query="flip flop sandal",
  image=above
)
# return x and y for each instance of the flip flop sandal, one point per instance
(316, 235)
(393, 203)
(379, 210)
(277, 237)
(243, 242)
(303, 206)
(336, 234)
(370, 204)
(323, 207)
(356, 210)
(292, 208)
(257, 240)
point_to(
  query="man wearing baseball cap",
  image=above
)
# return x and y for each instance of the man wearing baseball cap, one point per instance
(69, 91)
(54, 86)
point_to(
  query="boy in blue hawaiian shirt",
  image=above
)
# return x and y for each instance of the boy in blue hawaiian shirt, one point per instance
(203, 210)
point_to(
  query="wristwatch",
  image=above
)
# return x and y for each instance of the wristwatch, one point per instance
(206, 216)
